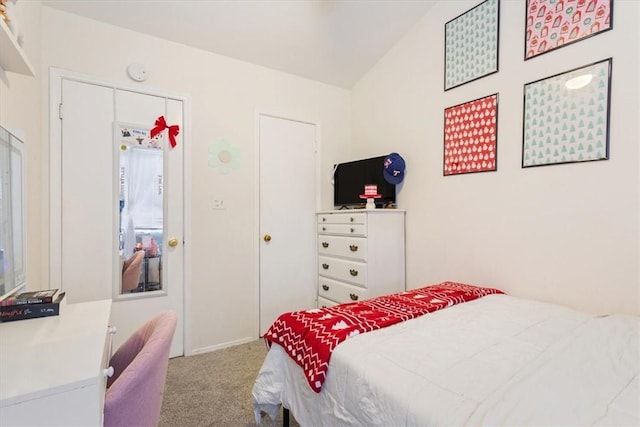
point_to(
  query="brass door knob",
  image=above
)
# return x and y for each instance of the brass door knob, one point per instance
(173, 242)
(267, 238)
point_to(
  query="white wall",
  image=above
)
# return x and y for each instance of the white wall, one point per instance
(20, 111)
(224, 95)
(564, 233)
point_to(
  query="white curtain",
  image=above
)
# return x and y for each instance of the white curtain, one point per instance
(142, 191)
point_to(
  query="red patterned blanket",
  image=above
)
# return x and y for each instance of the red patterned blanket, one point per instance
(309, 336)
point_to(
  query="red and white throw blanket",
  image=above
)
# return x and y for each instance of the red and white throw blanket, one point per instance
(309, 336)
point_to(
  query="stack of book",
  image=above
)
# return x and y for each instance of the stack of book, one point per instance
(29, 305)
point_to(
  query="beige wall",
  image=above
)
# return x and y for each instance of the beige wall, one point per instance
(561, 233)
(225, 95)
(20, 112)
(564, 233)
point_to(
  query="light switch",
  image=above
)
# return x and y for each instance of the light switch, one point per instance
(218, 204)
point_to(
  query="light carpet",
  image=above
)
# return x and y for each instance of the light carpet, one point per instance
(214, 389)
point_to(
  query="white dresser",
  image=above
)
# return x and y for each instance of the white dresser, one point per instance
(360, 255)
(52, 368)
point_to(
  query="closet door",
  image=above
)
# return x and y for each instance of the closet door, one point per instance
(287, 217)
(86, 174)
(86, 240)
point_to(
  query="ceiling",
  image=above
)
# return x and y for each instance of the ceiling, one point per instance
(331, 41)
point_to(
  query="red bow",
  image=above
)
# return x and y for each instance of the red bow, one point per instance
(161, 125)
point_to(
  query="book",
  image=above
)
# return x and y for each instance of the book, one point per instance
(10, 313)
(32, 297)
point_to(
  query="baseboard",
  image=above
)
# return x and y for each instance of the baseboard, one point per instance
(221, 346)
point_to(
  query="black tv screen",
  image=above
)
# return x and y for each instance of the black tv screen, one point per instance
(350, 178)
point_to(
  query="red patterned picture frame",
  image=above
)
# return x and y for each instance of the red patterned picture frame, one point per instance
(552, 24)
(471, 136)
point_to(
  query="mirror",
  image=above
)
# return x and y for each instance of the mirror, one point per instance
(12, 214)
(141, 201)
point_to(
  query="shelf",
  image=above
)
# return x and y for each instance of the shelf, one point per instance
(12, 58)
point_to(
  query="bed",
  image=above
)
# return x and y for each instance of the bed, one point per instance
(495, 360)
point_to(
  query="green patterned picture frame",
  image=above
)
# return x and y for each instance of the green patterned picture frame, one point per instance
(471, 44)
(566, 116)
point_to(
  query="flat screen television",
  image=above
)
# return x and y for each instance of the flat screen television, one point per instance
(350, 178)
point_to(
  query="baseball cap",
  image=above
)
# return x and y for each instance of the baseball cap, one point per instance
(394, 168)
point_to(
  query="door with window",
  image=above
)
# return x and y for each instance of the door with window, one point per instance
(117, 200)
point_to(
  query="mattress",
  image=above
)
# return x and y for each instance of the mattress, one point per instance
(498, 360)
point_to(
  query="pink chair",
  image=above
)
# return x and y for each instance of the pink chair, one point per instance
(131, 271)
(134, 392)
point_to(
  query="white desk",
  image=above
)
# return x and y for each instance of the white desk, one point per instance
(51, 368)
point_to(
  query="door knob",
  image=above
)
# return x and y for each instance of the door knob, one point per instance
(267, 238)
(173, 242)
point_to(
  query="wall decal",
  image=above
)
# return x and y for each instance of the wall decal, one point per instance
(224, 156)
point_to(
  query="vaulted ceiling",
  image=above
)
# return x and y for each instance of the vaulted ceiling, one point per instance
(331, 41)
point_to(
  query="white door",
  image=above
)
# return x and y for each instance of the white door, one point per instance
(287, 216)
(86, 187)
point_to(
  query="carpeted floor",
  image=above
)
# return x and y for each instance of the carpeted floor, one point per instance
(214, 389)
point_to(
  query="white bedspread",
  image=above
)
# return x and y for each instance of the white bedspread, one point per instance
(498, 360)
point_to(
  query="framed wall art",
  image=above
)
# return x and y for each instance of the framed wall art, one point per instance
(471, 44)
(551, 24)
(471, 136)
(566, 116)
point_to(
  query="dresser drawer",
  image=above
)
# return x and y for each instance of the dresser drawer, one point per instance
(340, 292)
(343, 269)
(343, 229)
(324, 303)
(349, 247)
(342, 218)
(360, 254)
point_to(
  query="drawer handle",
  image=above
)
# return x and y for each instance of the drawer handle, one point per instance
(325, 244)
(351, 219)
(325, 287)
(324, 229)
(111, 330)
(352, 230)
(324, 219)
(354, 273)
(353, 297)
(325, 266)
(353, 248)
